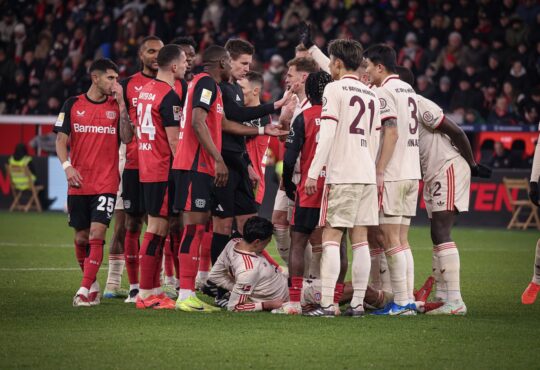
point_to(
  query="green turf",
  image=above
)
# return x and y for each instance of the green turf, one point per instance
(40, 329)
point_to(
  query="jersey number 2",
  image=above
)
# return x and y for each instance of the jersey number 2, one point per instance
(354, 129)
(146, 125)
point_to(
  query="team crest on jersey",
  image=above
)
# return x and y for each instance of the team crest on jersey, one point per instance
(383, 103)
(428, 117)
(219, 108)
(60, 119)
(176, 112)
(110, 114)
(200, 203)
(324, 101)
(127, 203)
(80, 113)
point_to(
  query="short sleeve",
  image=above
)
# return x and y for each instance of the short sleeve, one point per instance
(429, 113)
(171, 110)
(204, 93)
(330, 103)
(387, 103)
(63, 121)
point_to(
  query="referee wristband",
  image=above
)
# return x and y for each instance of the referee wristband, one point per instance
(66, 164)
(261, 130)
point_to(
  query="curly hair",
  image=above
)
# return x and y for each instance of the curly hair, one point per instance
(315, 84)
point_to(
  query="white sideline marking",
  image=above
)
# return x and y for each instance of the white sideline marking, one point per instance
(39, 268)
(49, 245)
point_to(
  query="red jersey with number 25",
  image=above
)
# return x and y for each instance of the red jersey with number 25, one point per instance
(203, 92)
(158, 106)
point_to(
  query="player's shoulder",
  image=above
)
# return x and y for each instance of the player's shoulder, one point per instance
(247, 262)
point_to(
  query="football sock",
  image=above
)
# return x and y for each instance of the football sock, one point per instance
(330, 267)
(449, 263)
(295, 288)
(131, 255)
(116, 267)
(315, 263)
(148, 255)
(168, 261)
(338, 293)
(92, 262)
(219, 241)
(159, 264)
(205, 261)
(283, 241)
(397, 262)
(82, 290)
(185, 294)
(308, 254)
(133, 286)
(175, 245)
(375, 272)
(440, 285)
(536, 274)
(189, 255)
(410, 271)
(361, 264)
(385, 273)
(81, 252)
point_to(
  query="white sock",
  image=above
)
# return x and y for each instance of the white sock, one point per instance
(536, 274)
(170, 280)
(82, 290)
(157, 291)
(330, 267)
(410, 272)
(385, 273)
(448, 256)
(185, 294)
(361, 264)
(315, 263)
(440, 285)
(145, 293)
(283, 241)
(397, 262)
(307, 259)
(116, 267)
(133, 286)
(375, 270)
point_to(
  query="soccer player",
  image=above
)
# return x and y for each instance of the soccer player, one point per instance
(159, 109)
(198, 164)
(91, 124)
(348, 142)
(131, 186)
(530, 293)
(398, 172)
(189, 46)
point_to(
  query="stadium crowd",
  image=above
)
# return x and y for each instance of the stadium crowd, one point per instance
(480, 61)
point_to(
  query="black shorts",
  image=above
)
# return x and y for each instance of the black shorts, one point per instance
(193, 191)
(85, 209)
(158, 198)
(237, 197)
(305, 220)
(132, 193)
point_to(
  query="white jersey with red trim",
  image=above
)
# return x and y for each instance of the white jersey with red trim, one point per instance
(349, 134)
(398, 100)
(535, 172)
(436, 148)
(249, 277)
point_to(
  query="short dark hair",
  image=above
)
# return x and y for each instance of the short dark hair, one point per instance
(382, 54)
(167, 54)
(304, 64)
(185, 40)
(255, 77)
(102, 65)
(348, 51)
(238, 47)
(315, 84)
(405, 74)
(213, 53)
(148, 38)
(257, 228)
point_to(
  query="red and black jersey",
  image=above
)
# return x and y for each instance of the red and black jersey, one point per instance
(132, 87)
(203, 92)
(93, 129)
(158, 106)
(302, 141)
(256, 147)
(181, 87)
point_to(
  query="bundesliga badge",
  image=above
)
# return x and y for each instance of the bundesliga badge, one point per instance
(176, 112)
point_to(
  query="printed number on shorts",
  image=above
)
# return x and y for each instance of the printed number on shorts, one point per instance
(414, 119)
(436, 189)
(146, 125)
(103, 200)
(354, 129)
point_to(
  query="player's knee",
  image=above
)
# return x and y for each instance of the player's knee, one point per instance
(133, 224)
(440, 232)
(81, 239)
(279, 218)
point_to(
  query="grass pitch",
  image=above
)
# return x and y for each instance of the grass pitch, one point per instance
(40, 329)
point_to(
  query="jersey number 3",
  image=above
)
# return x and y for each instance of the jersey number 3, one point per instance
(354, 129)
(146, 125)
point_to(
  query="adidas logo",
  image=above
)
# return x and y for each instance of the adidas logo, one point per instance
(238, 98)
(440, 203)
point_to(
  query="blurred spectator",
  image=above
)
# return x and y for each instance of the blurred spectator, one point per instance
(273, 78)
(424, 87)
(16, 93)
(51, 86)
(450, 70)
(452, 51)
(529, 107)
(7, 68)
(472, 117)
(465, 96)
(32, 106)
(413, 51)
(474, 54)
(493, 74)
(517, 33)
(500, 114)
(500, 157)
(518, 76)
(443, 95)
(296, 8)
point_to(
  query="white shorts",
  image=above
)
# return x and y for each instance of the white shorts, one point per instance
(284, 204)
(450, 189)
(398, 202)
(349, 205)
(121, 164)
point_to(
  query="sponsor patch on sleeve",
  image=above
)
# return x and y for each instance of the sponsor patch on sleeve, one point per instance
(176, 112)
(206, 96)
(60, 119)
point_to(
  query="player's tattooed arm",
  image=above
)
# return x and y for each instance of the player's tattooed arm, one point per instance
(126, 126)
(389, 138)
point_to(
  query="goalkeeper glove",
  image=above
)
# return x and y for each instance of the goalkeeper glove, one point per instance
(305, 35)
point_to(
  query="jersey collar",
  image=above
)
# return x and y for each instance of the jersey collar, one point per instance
(147, 76)
(354, 77)
(304, 103)
(93, 101)
(391, 77)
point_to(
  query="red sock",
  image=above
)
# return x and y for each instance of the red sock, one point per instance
(92, 262)
(131, 254)
(81, 252)
(206, 247)
(338, 292)
(269, 258)
(175, 244)
(149, 249)
(159, 264)
(295, 290)
(167, 252)
(189, 255)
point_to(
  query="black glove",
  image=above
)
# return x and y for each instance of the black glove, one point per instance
(290, 190)
(480, 170)
(533, 193)
(305, 35)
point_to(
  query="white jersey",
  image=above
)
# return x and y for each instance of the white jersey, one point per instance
(349, 133)
(398, 100)
(249, 277)
(535, 173)
(436, 148)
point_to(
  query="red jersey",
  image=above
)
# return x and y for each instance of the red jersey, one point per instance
(132, 87)
(203, 92)
(158, 106)
(302, 140)
(256, 147)
(93, 129)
